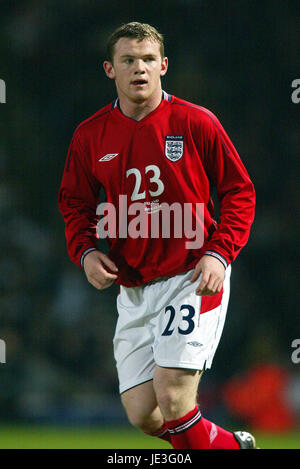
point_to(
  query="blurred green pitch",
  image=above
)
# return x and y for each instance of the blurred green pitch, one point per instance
(51, 437)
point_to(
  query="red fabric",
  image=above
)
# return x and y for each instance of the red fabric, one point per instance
(166, 437)
(209, 158)
(220, 438)
(194, 437)
(210, 302)
(162, 433)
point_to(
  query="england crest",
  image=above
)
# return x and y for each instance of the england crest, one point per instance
(174, 147)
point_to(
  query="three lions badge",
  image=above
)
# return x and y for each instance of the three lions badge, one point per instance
(174, 147)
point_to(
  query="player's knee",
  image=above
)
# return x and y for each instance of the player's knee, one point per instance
(174, 400)
(137, 420)
(169, 401)
(176, 391)
(145, 423)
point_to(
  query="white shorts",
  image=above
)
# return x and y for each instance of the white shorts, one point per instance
(165, 323)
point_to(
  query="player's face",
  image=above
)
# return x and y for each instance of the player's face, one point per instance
(137, 68)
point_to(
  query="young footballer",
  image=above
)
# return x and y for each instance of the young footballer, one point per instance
(158, 157)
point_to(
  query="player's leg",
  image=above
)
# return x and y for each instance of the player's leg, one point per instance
(176, 393)
(143, 412)
(133, 353)
(141, 407)
(133, 347)
(176, 390)
(187, 335)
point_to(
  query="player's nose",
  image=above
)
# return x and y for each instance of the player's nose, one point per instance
(139, 66)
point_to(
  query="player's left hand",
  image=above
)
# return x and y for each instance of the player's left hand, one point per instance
(213, 274)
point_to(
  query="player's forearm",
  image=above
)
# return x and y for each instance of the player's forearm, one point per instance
(237, 215)
(80, 229)
(79, 247)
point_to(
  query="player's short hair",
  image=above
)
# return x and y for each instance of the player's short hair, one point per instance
(134, 30)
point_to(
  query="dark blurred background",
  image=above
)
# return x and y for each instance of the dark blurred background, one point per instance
(237, 59)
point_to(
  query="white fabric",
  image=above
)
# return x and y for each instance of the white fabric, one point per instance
(142, 339)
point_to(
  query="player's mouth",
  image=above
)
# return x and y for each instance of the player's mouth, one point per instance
(140, 82)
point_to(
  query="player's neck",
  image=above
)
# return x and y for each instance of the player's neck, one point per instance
(139, 110)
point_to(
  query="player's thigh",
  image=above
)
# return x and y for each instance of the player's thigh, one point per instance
(141, 407)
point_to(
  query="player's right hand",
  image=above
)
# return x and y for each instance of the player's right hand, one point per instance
(94, 267)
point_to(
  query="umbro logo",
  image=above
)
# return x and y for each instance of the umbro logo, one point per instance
(194, 343)
(108, 157)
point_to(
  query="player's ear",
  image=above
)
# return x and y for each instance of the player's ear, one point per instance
(164, 66)
(109, 69)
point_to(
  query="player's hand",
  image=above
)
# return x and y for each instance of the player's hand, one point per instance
(213, 274)
(94, 265)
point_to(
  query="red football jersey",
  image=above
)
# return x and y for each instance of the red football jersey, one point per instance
(175, 154)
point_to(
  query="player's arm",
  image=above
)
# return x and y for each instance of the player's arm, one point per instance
(237, 205)
(236, 195)
(77, 200)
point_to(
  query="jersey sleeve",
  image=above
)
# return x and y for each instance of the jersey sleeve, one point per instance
(235, 192)
(77, 200)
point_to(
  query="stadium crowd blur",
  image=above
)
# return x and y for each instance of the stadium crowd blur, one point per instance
(58, 330)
